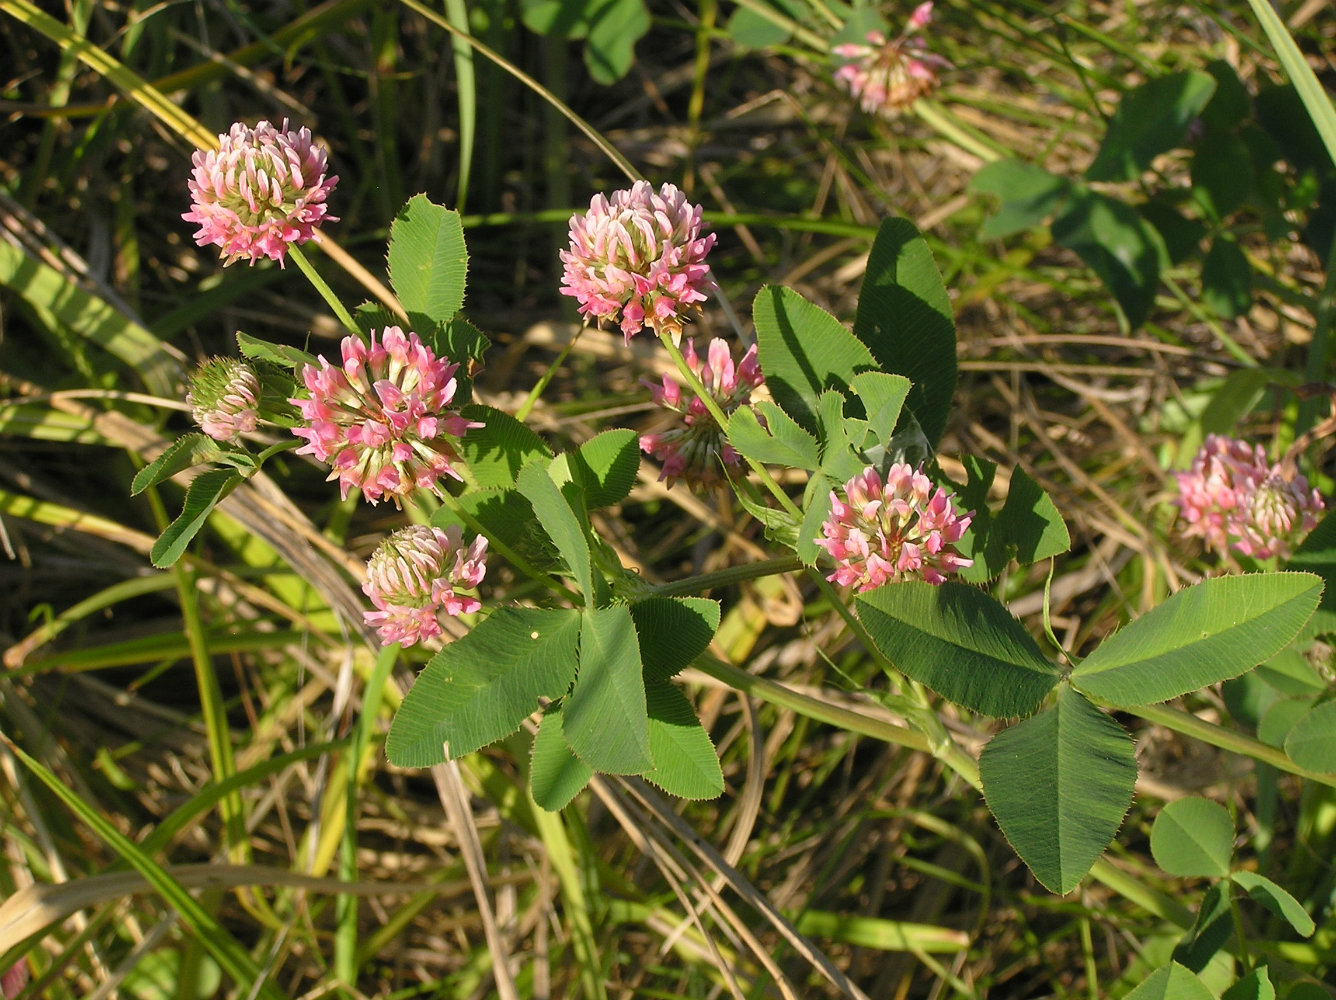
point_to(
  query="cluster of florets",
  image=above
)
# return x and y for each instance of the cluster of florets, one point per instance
(694, 449)
(1232, 497)
(381, 419)
(417, 574)
(638, 258)
(224, 398)
(262, 190)
(888, 76)
(881, 532)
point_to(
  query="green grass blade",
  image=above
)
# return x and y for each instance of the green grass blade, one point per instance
(1305, 81)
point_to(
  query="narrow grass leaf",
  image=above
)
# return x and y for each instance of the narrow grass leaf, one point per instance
(428, 261)
(780, 442)
(605, 719)
(1193, 837)
(879, 933)
(804, 350)
(495, 453)
(1171, 982)
(904, 317)
(556, 775)
(961, 643)
(1059, 784)
(685, 761)
(1312, 741)
(558, 521)
(1276, 899)
(1310, 89)
(1150, 120)
(673, 631)
(203, 494)
(480, 688)
(1209, 632)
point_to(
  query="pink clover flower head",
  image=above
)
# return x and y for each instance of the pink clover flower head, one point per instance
(381, 418)
(886, 531)
(693, 449)
(888, 76)
(261, 190)
(638, 258)
(1232, 497)
(415, 575)
(224, 398)
(14, 979)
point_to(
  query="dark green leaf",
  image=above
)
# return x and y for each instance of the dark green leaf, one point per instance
(816, 510)
(1221, 174)
(673, 631)
(495, 452)
(1150, 120)
(1059, 784)
(559, 522)
(1118, 245)
(555, 774)
(279, 354)
(614, 28)
(1275, 899)
(480, 688)
(1209, 632)
(203, 494)
(1209, 932)
(428, 261)
(751, 30)
(1027, 528)
(961, 643)
(505, 515)
(1029, 195)
(1280, 717)
(905, 319)
(1312, 741)
(780, 442)
(1180, 235)
(184, 453)
(803, 351)
(1171, 982)
(1230, 103)
(1226, 278)
(882, 396)
(605, 718)
(1193, 837)
(685, 762)
(1256, 985)
(604, 467)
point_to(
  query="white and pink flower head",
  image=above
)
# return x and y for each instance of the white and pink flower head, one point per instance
(262, 190)
(416, 575)
(638, 259)
(893, 530)
(693, 449)
(224, 398)
(888, 76)
(1232, 497)
(381, 419)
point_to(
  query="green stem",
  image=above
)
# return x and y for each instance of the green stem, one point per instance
(523, 412)
(727, 577)
(326, 293)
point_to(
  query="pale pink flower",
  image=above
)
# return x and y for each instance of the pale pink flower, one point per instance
(889, 76)
(1232, 497)
(224, 398)
(261, 190)
(381, 419)
(894, 530)
(14, 979)
(415, 575)
(693, 449)
(639, 256)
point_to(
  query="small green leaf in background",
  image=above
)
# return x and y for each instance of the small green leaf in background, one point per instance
(1118, 245)
(804, 350)
(1150, 120)
(555, 774)
(1221, 174)
(1059, 785)
(1279, 719)
(673, 631)
(1210, 930)
(605, 718)
(1311, 743)
(1276, 899)
(1256, 985)
(495, 452)
(752, 30)
(1209, 632)
(480, 688)
(614, 28)
(1171, 982)
(905, 319)
(559, 522)
(604, 467)
(1181, 236)
(428, 262)
(1193, 837)
(780, 442)
(960, 642)
(1029, 195)
(1226, 278)
(685, 761)
(203, 494)
(1230, 103)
